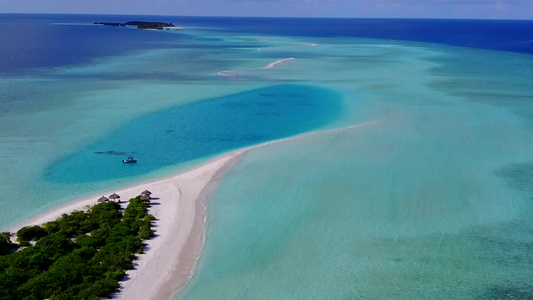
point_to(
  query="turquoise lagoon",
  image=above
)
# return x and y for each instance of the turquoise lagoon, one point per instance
(430, 200)
(201, 129)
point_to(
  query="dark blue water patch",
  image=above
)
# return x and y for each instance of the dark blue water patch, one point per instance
(37, 42)
(510, 292)
(502, 35)
(202, 129)
(518, 176)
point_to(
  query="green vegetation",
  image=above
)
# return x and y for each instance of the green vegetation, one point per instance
(6, 246)
(30, 233)
(139, 24)
(149, 25)
(82, 255)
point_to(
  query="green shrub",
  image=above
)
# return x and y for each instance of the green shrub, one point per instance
(146, 231)
(87, 241)
(30, 233)
(82, 255)
(6, 246)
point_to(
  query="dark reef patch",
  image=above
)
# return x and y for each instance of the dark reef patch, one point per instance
(508, 293)
(518, 176)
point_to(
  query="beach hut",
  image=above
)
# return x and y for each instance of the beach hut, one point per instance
(146, 197)
(146, 192)
(102, 199)
(114, 197)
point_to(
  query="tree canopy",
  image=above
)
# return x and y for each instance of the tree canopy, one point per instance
(82, 255)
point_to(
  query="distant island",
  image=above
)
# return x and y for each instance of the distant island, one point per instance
(141, 24)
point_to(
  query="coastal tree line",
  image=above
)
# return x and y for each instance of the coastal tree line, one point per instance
(139, 24)
(82, 255)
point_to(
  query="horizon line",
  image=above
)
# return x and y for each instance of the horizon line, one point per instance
(268, 17)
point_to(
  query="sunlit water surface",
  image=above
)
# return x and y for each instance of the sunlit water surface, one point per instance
(431, 199)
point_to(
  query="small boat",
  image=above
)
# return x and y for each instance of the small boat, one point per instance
(129, 160)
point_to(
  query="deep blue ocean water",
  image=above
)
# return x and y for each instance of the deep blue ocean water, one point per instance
(39, 42)
(33, 41)
(503, 35)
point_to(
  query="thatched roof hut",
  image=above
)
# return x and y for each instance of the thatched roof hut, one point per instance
(146, 197)
(102, 199)
(146, 192)
(114, 196)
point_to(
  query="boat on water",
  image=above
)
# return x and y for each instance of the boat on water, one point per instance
(129, 160)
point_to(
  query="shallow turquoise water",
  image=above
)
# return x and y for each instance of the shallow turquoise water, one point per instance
(432, 202)
(48, 116)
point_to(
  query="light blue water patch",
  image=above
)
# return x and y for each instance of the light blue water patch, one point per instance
(187, 132)
(431, 202)
(406, 210)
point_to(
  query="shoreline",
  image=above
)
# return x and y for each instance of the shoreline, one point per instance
(180, 208)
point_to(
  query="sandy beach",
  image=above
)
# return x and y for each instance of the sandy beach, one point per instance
(171, 256)
(179, 208)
